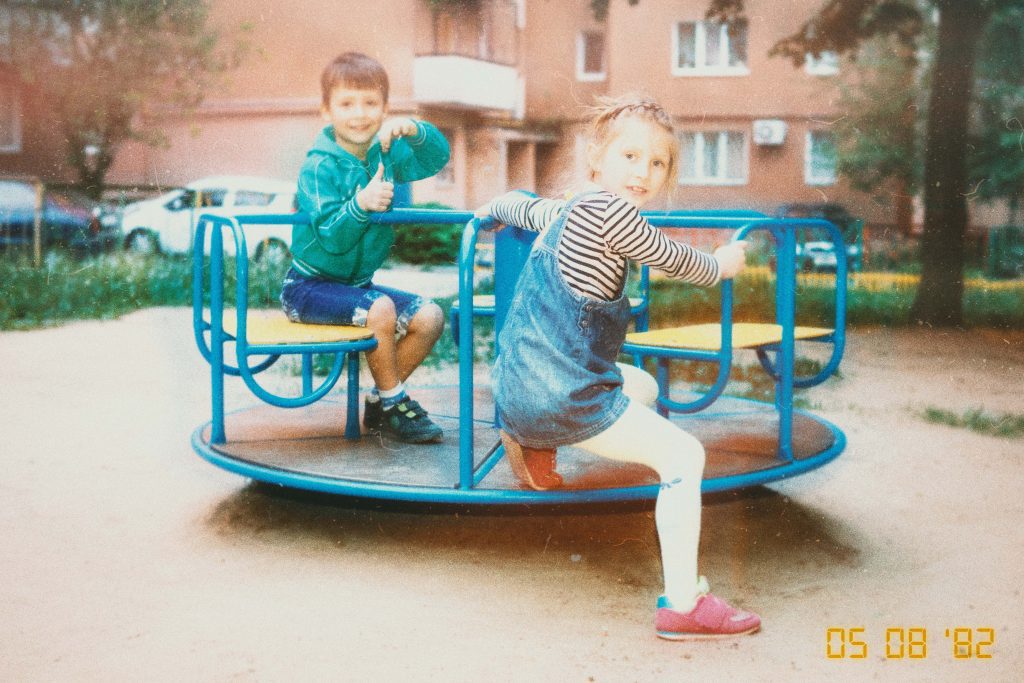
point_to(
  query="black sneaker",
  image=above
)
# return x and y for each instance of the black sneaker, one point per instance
(373, 413)
(408, 422)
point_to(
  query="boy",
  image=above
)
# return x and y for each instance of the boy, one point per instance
(347, 175)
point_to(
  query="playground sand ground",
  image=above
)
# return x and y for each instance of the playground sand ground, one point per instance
(127, 557)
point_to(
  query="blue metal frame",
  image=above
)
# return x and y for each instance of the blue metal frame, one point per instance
(783, 230)
(214, 352)
(512, 248)
(449, 495)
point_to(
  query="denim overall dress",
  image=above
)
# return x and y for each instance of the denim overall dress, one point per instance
(555, 380)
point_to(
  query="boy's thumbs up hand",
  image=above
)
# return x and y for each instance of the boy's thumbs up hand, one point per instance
(380, 172)
(377, 194)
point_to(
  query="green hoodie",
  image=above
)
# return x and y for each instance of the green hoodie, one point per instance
(340, 243)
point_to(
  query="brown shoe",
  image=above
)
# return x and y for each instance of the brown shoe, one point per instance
(535, 467)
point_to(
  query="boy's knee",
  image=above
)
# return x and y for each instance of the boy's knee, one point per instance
(381, 315)
(429, 318)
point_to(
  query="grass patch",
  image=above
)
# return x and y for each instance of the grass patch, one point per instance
(754, 300)
(977, 420)
(107, 286)
(745, 381)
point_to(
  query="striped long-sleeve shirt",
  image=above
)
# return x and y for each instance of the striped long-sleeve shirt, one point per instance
(602, 233)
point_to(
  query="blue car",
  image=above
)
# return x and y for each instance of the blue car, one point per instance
(69, 219)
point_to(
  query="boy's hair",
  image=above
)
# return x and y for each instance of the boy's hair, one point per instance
(355, 70)
(609, 109)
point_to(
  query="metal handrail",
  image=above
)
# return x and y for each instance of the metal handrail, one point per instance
(781, 229)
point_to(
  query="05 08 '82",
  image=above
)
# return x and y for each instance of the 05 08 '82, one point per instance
(909, 643)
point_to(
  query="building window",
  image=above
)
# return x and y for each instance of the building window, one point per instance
(590, 56)
(446, 176)
(820, 159)
(713, 158)
(10, 119)
(825, 64)
(703, 48)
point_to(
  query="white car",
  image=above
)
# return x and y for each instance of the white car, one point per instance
(821, 256)
(166, 224)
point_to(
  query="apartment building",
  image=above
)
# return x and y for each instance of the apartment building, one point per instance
(508, 82)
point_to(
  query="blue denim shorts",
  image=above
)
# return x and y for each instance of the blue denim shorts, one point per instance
(320, 301)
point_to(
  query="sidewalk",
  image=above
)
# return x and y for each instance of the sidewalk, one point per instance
(126, 556)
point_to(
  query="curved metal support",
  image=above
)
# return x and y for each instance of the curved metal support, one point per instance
(244, 349)
(199, 325)
(232, 370)
(838, 337)
(305, 398)
(641, 313)
(723, 358)
(464, 341)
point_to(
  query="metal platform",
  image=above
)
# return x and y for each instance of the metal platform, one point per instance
(300, 441)
(305, 448)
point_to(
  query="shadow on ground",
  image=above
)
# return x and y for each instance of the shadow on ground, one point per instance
(758, 529)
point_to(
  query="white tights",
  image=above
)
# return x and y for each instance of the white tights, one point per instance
(643, 436)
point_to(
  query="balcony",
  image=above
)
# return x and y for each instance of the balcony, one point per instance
(465, 83)
(467, 59)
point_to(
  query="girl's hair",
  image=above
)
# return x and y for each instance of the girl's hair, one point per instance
(355, 70)
(608, 110)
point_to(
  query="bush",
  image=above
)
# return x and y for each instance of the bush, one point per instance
(114, 284)
(754, 300)
(427, 243)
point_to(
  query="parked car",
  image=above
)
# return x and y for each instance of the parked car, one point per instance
(166, 224)
(819, 254)
(69, 219)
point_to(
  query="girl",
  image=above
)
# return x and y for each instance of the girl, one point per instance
(556, 380)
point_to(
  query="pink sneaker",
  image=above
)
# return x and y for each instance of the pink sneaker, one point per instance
(712, 617)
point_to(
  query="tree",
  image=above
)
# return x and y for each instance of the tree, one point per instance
(842, 26)
(997, 162)
(600, 8)
(878, 136)
(98, 64)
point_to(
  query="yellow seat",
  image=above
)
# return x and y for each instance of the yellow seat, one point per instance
(708, 337)
(274, 327)
(487, 301)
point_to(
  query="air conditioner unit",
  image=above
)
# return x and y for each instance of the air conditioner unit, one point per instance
(769, 132)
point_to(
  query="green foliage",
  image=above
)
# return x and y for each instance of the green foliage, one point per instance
(754, 300)
(111, 285)
(839, 25)
(977, 420)
(997, 164)
(844, 26)
(745, 381)
(600, 8)
(878, 138)
(427, 243)
(108, 286)
(453, 4)
(98, 65)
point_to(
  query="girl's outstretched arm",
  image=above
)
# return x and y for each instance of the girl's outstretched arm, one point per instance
(628, 233)
(524, 211)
